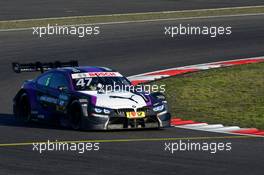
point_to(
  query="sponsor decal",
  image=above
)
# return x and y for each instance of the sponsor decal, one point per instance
(134, 115)
(95, 74)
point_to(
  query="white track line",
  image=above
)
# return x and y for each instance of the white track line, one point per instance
(222, 132)
(140, 13)
(227, 128)
(152, 77)
(142, 21)
(213, 126)
(195, 125)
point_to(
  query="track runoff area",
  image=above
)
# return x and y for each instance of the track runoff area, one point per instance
(189, 124)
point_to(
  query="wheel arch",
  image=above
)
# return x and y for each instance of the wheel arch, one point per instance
(80, 101)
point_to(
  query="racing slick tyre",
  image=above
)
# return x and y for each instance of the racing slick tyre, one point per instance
(75, 115)
(23, 109)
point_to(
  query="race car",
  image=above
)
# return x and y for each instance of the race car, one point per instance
(83, 98)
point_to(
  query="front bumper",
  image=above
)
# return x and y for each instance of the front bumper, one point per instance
(114, 121)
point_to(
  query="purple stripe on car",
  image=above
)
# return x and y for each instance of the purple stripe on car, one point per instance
(149, 103)
(93, 100)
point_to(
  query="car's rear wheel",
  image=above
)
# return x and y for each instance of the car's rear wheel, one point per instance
(24, 109)
(75, 116)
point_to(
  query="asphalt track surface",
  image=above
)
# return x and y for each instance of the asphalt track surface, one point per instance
(17, 9)
(131, 49)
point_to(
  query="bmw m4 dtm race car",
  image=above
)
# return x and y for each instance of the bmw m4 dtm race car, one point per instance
(73, 97)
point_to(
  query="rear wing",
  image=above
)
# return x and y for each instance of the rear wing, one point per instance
(39, 66)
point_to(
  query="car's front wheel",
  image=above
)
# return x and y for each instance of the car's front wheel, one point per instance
(75, 116)
(24, 109)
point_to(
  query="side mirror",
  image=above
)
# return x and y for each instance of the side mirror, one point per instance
(159, 96)
(62, 88)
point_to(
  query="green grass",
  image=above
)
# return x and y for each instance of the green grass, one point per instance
(232, 96)
(75, 20)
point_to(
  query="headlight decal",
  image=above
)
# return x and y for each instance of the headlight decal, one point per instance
(100, 110)
(159, 108)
